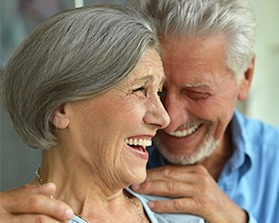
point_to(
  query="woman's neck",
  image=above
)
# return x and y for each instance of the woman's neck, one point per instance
(88, 195)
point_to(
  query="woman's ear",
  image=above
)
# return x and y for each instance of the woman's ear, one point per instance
(59, 118)
(246, 81)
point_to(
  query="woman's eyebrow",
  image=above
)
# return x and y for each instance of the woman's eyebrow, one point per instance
(144, 78)
(151, 79)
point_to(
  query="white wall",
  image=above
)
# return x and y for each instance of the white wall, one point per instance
(263, 102)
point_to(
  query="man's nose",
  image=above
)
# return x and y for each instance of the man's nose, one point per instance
(176, 107)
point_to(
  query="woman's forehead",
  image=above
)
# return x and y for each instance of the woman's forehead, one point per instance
(150, 67)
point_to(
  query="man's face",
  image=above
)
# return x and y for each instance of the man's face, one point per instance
(201, 93)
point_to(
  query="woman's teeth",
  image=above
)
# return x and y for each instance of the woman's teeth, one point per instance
(138, 142)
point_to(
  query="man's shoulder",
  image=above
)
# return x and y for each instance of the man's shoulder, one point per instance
(257, 132)
(256, 126)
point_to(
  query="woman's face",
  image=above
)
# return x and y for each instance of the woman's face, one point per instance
(110, 132)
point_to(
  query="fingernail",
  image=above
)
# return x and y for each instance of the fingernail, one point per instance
(49, 184)
(136, 186)
(151, 204)
(69, 214)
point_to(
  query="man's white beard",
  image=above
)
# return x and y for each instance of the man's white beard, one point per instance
(204, 150)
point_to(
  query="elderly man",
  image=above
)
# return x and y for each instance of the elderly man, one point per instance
(214, 162)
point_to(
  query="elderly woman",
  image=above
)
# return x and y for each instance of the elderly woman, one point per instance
(83, 87)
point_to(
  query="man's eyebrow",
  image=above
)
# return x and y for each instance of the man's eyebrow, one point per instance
(198, 84)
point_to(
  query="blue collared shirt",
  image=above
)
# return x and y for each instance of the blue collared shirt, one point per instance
(251, 177)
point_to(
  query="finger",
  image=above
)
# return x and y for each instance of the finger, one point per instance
(172, 172)
(46, 189)
(159, 175)
(35, 200)
(41, 204)
(29, 218)
(180, 205)
(189, 174)
(168, 188)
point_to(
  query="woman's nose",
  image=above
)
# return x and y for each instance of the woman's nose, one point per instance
(157, 115)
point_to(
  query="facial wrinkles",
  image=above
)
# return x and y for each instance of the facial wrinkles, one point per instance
(227, 84)
(112, 155)
(191, 125)
(152, 65)
(148, 74)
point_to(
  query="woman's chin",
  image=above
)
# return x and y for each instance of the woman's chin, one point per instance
(138, 177)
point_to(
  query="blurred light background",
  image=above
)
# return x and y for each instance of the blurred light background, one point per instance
(18, 163)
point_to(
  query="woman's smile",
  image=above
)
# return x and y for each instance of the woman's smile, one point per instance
(138, 145)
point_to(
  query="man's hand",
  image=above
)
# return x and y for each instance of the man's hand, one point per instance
(194, 192)
(32, 204)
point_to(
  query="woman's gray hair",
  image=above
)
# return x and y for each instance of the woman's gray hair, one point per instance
(234, 19)
(72, 56)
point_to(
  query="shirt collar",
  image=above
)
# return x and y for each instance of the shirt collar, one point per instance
(242, 156)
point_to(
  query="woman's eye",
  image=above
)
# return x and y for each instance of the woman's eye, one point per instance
(142, 88)
(162, 93)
